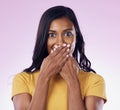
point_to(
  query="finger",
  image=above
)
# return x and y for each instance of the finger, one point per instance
(75, 65)
(63, 53)
(74, 61)
(72, 67)
(57, 49)
(63, 60)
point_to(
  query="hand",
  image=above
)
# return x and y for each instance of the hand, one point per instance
(70, 71)
(54, 62)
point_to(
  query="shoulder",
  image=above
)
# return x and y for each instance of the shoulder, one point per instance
(25, 76)
(21, 75)
(93, 84)
(24, 79)
(23, 82)
(90, 76)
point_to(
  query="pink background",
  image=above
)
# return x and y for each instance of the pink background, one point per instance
(100, 25)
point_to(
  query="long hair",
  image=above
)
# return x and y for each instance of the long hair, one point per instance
(40, 49)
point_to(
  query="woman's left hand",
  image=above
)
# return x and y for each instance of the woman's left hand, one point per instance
(70, 70)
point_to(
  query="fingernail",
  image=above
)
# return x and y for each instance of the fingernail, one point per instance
(67, 56)
(68, 45)
(51, 51)
(55, 46)
(54, 49)
(64, 45)
(71, 54)
(68, 50)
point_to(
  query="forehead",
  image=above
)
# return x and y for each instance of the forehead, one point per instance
(61, 23)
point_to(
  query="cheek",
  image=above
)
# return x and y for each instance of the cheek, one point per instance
(72, 47)
(68, 40)
(72, 42)
(50, 44)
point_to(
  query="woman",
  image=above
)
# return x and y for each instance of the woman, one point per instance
(60, 77)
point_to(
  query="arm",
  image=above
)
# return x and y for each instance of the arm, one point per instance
(75, 101)
(74, 97)
(38, 102)
(94, 103)
(26, 102)
(50, 66)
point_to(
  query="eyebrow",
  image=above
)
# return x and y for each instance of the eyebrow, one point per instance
(51, 31)
(69, 29)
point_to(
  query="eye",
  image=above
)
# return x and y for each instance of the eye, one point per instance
(51, 34)
(69, 34)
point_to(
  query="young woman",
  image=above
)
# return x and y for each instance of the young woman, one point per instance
(60, 77)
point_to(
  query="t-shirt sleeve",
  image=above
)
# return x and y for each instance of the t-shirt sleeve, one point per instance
(96, 87)
(19, 85)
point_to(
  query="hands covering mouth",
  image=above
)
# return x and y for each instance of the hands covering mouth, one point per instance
(64, 45)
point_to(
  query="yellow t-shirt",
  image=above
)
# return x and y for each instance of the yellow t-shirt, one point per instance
(90, 83)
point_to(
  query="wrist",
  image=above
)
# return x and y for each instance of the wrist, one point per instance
(44, 77)
(74, 85)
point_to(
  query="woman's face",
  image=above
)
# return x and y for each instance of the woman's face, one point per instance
(61, 31)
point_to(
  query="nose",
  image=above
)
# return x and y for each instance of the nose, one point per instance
(60, 40)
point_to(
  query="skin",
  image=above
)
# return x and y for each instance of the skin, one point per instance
(59, 61)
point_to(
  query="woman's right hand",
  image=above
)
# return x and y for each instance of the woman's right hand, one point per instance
(54, 62)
